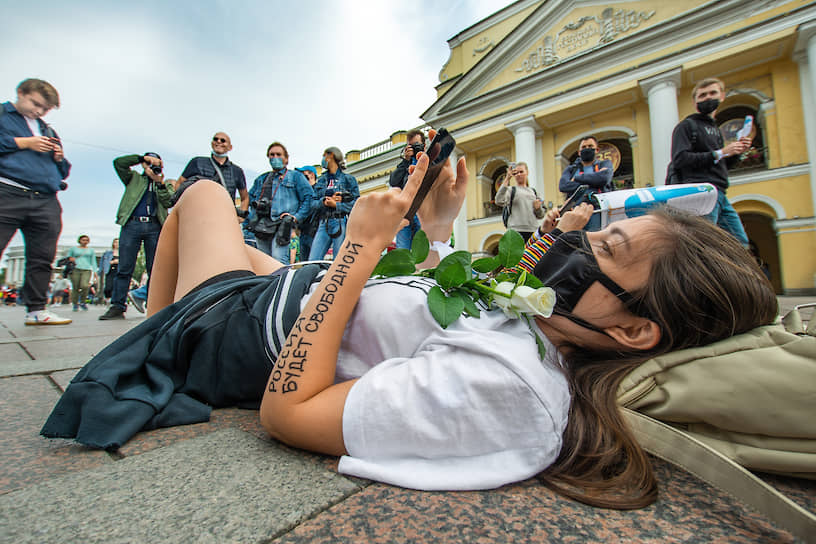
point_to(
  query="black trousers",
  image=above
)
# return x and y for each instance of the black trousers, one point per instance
(39, 217)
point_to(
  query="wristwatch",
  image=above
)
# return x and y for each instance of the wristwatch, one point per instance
(241, 213)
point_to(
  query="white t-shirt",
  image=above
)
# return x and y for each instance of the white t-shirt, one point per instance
(468, 407)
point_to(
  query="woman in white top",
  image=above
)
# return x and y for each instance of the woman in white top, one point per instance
(525, 209)
(366, 373)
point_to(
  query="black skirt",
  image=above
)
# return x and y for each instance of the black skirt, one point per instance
(213, 348)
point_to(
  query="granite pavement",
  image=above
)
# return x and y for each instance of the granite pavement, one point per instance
(227, 481)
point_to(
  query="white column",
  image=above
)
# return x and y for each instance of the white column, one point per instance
(460, 227)
(17, 274)
(524, 134)
(538, 183)
(805, 56)
(661, 91)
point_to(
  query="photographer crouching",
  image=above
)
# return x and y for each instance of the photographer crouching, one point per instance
(278, 201)
(335, 193)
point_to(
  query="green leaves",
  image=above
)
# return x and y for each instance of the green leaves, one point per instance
(398, 262)
(458, 290)
(445, 309)
(511, 248)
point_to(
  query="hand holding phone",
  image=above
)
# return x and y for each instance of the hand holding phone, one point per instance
(574, 199)
(438, 152)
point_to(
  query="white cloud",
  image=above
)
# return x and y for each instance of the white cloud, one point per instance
(165, 76)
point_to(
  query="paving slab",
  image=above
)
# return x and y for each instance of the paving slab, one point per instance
(12, 352)
(41, 366)
(63, 377)
(86, 346)
(225, 487)
(687, 511)
(25, 457)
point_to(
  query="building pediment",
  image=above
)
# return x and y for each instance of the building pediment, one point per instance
(554, 34)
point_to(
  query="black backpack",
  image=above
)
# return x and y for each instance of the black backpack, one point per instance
(673, 175)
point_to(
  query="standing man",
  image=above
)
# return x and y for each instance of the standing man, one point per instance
(308, 227)
(334, 195)
(280, 201)
(32, 170)
(416, 144)
(219, 168)
(699, 156)
(141, 214)
(588, 170)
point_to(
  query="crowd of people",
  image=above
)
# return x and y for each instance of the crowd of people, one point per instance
(290, 214)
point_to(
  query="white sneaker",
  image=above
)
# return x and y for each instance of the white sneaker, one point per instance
(45, 317)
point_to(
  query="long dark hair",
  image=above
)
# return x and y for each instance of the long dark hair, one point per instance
(703, 287)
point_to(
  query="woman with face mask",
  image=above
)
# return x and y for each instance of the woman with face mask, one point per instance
(350, 366)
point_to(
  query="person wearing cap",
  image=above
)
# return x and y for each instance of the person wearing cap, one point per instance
(335, 194)
(308, 227)
(32, 170)
(142, 212)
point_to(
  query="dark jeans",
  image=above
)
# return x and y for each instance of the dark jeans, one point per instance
(39, 217)
(131, 236)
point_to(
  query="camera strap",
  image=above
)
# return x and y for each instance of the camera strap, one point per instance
(266, 185)
(218, 172)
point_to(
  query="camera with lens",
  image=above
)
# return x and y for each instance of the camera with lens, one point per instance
(262, 206)
(345, 196)
(418, 148)
(157, 169)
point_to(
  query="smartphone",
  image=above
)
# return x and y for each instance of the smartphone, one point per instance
(438, 152)
(574, 199)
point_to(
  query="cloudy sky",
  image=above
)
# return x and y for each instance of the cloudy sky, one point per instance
(165, 75)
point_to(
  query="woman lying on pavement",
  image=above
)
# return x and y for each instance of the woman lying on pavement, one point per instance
(359, 368)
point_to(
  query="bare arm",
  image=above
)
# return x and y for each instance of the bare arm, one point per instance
(302, 406)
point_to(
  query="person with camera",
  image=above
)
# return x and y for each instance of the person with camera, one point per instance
(335, 193)
(142, 212)
(522, 200)
(279, 200)
(415, 145)
(588, 170)
(32, 170)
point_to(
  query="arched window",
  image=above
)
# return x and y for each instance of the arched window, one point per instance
(730, 120)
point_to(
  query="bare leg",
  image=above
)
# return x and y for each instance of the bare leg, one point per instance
(200, 239)
(165, 267)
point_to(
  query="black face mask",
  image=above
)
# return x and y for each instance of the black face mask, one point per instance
(569, 268)
(588, 154)
(708, 106)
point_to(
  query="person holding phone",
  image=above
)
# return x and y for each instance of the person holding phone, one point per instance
(525, 206)
(589, 170)
(335, 193)
(357, 367)
(32, 170)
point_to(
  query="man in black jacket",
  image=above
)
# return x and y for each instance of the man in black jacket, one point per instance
(416, 143)
(700, 156)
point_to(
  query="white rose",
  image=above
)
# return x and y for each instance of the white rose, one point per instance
(505, 302)
(533, 301)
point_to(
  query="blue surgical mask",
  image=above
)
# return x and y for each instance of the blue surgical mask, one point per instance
(219, 155)
(324, 163)
(276, 163)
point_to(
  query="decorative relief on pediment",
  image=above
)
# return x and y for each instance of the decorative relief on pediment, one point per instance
(585, 32)
(482, 45)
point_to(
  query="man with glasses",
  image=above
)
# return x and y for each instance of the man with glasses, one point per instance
(220, 169)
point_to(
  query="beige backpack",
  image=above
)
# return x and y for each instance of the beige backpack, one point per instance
(747, 401)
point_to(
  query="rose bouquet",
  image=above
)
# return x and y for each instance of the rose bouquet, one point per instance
(462, 283)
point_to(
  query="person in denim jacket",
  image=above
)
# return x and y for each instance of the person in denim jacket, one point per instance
(335, 193)
(288, 194)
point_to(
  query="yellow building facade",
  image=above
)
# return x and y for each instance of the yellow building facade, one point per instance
(526, 83)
